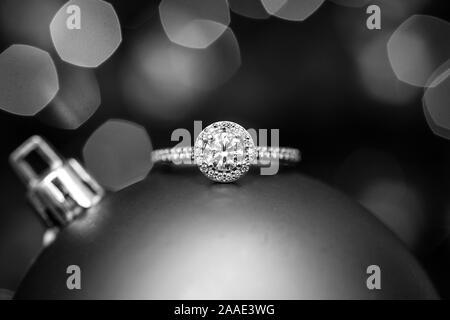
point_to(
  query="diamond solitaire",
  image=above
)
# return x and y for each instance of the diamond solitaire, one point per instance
(224, 152)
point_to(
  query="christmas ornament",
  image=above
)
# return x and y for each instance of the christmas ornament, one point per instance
(176, 235)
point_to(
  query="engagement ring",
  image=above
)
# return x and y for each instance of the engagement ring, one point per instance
(224, 152)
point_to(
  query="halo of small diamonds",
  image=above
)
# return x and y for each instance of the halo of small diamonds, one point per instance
(224, 151)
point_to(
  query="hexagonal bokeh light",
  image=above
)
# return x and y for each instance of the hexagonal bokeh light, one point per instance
(352, 3)
(418, 47)
(194, 23)
(377, 76)
(393, 12)
(28, 80)
(118, 154)
(163, 80)
(77, 100)
(292, 10)
(249, 8)
(436, 102)
(27, 21)
(439, 75)
(86, 32)
(219, 62)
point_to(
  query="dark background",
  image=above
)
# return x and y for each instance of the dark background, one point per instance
(300, 77)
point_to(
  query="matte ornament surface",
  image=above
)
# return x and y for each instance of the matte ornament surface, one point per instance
(177, 236)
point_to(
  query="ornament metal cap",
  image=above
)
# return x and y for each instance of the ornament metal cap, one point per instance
(59, 189)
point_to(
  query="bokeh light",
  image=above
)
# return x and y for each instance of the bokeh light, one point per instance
(118, 154)
(249, 8)
(418, 47)
(97, 38)
(164, 81)
(390, 10)
(77, 100)
(27, 21)
(439, 75)
(212, 67)
(436, 104)
(351, 3)
(377, 76)
(151, 85)
(400, 9)
(352, 28)
(292, 10)
(194, 23)
(28, 80)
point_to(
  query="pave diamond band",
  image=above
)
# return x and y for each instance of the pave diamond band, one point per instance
(224, 151)
(264, 155)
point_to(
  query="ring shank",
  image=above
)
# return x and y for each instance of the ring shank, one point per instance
(264, 156)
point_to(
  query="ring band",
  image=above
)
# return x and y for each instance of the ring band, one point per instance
(265, 155)
(224, 151)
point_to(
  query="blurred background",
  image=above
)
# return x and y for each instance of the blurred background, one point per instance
(370, 109)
